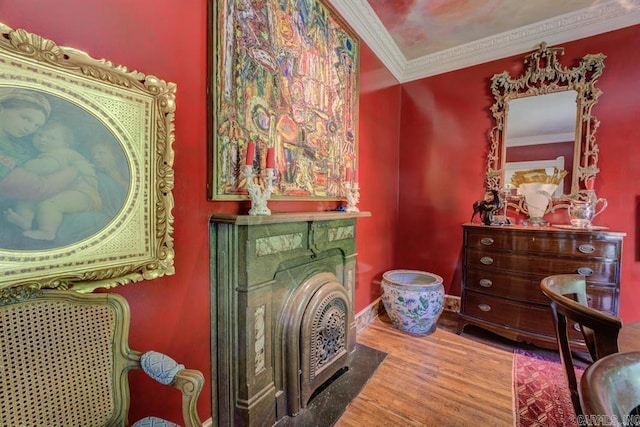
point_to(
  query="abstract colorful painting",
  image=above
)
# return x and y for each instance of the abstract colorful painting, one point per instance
(284, 74)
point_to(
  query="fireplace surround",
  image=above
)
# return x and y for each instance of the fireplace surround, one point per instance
(282, 290)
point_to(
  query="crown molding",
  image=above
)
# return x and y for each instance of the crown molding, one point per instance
(365, 22)
(605, 16)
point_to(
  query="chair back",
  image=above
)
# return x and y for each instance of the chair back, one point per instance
(59, 362)
(568, 296)
(65, 357)
(610, 390)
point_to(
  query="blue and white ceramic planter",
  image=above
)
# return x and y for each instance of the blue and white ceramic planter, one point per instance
(413, 300)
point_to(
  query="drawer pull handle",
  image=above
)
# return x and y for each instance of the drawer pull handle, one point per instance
(585, 271)
(486, 260)
(486, 283)
(587, 249)
(484, 307)
(487, 241)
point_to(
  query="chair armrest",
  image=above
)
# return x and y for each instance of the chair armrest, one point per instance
(160, 367)
(190, 383)
(167, 371)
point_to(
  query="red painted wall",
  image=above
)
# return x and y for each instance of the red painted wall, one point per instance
(444, 143)
(432, 155)
(168, 39)
(378, 149)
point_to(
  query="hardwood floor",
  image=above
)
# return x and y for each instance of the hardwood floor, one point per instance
(442, 379)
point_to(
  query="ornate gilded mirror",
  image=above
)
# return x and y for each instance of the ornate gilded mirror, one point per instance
(543, 120)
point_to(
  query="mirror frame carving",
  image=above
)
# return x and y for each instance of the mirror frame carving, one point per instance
(543, 75)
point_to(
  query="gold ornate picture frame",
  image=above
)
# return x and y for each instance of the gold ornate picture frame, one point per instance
(86, 169)
(282, 76)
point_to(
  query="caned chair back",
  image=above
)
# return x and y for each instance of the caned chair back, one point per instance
(64, 359)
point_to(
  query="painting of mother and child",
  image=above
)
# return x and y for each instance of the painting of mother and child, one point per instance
(63, 175)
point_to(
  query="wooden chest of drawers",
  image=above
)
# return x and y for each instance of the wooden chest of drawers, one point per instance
(503, 267)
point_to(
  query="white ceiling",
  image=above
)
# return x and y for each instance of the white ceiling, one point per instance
(599, 17)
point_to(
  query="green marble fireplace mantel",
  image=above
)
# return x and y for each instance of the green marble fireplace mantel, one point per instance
(285, 217)
(266, 273)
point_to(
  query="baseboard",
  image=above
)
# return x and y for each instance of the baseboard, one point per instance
(370, 312)
(452, 303)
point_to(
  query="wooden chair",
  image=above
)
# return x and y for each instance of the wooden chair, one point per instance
(64, 359)
(610, 390)
(600, 330)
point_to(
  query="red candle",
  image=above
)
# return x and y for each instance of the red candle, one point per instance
(347, 175)
(271, 159)
(251, 153)
(355, 175)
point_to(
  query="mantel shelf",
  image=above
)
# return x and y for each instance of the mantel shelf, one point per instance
(278, 218)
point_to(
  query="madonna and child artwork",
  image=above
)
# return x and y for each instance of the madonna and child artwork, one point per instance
(63, 174)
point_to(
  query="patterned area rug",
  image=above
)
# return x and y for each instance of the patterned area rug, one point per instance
(540, 393)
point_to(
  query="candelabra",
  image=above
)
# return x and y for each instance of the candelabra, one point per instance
(352, 191)
(259, 194)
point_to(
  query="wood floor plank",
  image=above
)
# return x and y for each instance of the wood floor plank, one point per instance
(440, 379)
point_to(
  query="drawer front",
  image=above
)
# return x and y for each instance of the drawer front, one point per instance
(576, 244)
(595, 270)
(503, 312)
(527, 289)
(503, 285)
(603, 298)
(514, 315)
